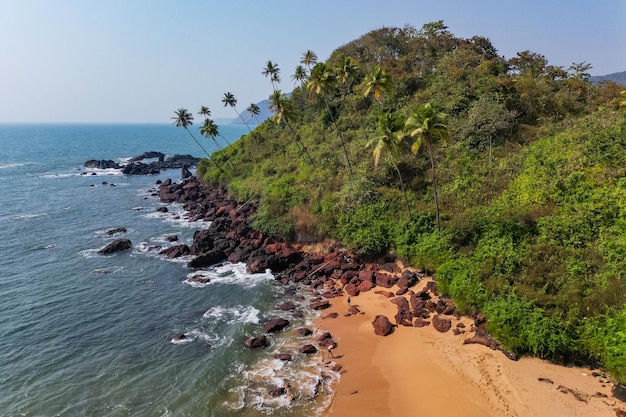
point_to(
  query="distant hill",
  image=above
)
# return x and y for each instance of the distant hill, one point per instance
(618, 77)
(250, 119)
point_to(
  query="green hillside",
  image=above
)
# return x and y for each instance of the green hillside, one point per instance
(505, 177)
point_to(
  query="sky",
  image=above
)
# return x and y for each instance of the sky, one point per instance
(136, 61)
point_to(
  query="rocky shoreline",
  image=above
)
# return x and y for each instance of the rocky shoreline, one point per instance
(336, 272)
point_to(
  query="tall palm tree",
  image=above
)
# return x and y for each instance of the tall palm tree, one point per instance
(210, 130)
(230, 100)
(204, 111)
(309, 59)
(254, 110)
(345, 71)
(299, 76)
(320, 81)
(391, 127)
(283, 111)
(377, 83)
(184, 119)
(426, 124)
(272, 71)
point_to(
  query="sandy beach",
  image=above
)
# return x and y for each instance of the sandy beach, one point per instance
(422, 372)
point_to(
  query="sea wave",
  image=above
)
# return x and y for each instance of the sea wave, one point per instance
(227, 273)
(28, 216)
(15, 165)
(232, 315)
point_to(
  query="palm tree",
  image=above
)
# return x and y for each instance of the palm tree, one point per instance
(272, 71)
(204, 111)
(299, 76)
(345, 71)
(309, 59)
(283, 111)
(230, 100)
(425, 124)
(377, 83)
(320, 81)
(210, 130)
(254, 110)
(391, 127)
(184, 119)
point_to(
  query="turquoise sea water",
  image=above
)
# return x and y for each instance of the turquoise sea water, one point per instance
(90, 335)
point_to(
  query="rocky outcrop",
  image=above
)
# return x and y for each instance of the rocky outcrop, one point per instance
(117, 245)
(102, 164)
(176, 251)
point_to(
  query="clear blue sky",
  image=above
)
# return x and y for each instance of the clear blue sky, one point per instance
(139, 60)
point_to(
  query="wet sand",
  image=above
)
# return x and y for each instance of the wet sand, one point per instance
(419, 371)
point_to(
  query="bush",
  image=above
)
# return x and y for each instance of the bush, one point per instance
(368, 228)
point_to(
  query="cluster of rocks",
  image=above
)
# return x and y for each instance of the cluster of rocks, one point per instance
(135, 166)
(230, 237)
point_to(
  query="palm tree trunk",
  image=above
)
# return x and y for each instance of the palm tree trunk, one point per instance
(343, 145)
(432, 166)
(358, 116)
(207, 154)
(297, 139)
(406, 200)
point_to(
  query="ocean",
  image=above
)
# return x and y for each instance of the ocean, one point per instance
(85, 334)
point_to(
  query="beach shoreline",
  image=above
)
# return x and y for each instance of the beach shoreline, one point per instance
(420, 371)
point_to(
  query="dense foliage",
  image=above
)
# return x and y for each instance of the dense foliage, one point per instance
(505, 176)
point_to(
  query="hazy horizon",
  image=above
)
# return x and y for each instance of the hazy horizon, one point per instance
(70, 61)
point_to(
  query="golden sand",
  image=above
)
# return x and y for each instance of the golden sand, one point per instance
(421, 372)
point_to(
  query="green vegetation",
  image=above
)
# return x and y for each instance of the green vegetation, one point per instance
(505, 177)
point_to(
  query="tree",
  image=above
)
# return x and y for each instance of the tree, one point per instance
(299, 76)
(210, 130)
(184, 119)
(425, 124)
(320, 81)
(272, 71)
(377, 83)
(230, 100)
(345, 71)
(283, 111)
(391, 127)
(254, 110)
(204, 111)
(309, 59)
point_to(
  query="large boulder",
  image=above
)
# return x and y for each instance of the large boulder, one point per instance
(382, 325)
(403, 316)
(212, 257)
(175, 251)
(102, 164)
(275, 325)
(256, 342)
(117, 245)
(441, 324)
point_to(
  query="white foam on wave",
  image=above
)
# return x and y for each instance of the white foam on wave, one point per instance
(28, 216)
(108, 270)
(178, 216)
(227, 273)
(90, 253)
(232, 315)
(43, 247)
(198, 335)
(15, 165)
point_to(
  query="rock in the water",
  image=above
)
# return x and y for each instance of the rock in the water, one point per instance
(382, 325)
(176, 251)
(256, 342)
(180, 336)
(303, 331)
(116, 231)
(275, 325)
(320, 305)
(308, 349)
(212, 257)
(117, 245)
(282, 356)
(102, 164)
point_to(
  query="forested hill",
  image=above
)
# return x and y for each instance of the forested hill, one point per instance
(504, 176)
(618, 77)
